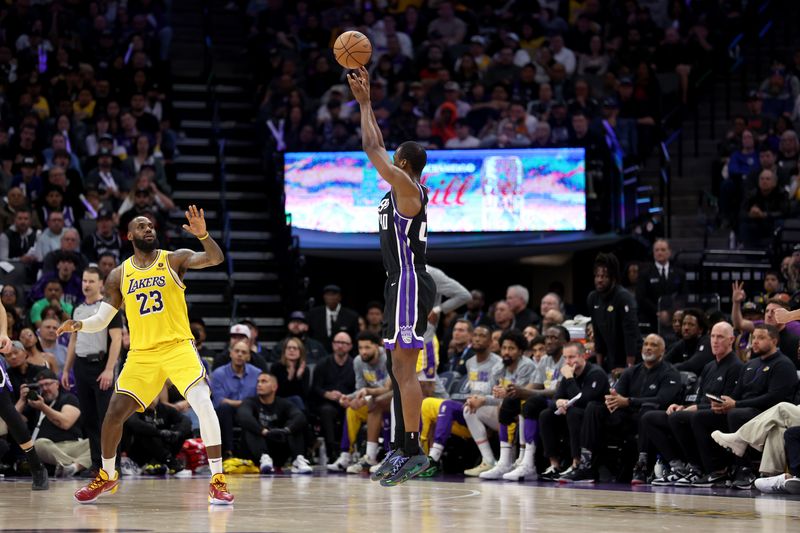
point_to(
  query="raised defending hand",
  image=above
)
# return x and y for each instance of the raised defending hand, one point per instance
(197, 222)
(69, 326)
(359, 85)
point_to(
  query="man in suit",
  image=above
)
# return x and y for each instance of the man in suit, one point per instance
(658, 279)
(325, 321)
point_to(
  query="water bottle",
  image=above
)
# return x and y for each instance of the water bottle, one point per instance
(322, 452)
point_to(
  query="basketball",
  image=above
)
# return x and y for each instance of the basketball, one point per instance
(352, 49)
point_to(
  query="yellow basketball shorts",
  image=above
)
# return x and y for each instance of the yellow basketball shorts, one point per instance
(145, 373)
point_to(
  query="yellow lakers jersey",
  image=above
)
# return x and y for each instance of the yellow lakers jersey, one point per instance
(154, 304)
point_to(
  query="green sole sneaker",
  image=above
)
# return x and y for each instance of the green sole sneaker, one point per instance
(433, 470)
(405, 468)
(384, 468)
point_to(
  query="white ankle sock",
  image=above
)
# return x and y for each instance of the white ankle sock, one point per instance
(215, 465)
(436, 451)
(109, 465)
(372, 451)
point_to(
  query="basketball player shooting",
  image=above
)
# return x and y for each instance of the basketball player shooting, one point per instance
(150, 286)
(409, 290)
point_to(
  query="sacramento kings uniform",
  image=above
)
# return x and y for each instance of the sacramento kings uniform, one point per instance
(409, 290)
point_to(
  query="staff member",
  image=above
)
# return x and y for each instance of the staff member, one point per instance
(94, 359)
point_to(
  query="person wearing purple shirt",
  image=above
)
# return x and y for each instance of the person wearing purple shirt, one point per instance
(66, 273)
(230, 384)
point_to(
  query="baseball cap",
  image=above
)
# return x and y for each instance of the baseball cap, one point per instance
(751, 307)
(104, 152)
(331, 288)
(106, 137)
(104, 214)
(297, 316)
(28, 162)
(513, 36)
(478, 39)
(240, 329)
(46, 374)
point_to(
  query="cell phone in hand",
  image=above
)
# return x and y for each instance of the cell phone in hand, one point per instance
(714, 398)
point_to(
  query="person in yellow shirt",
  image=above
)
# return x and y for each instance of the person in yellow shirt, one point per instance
(150, 286)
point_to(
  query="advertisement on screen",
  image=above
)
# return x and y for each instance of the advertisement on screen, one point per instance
(468, 190)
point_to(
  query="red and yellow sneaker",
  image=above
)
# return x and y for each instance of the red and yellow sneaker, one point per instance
(102, 483)
(218, 491)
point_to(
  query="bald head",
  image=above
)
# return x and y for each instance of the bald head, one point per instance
(722, 339)
(136, 222)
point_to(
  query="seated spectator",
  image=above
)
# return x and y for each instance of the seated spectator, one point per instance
(108, 181)
(53, 416)
(48, 340)
(9, 298)
(272, 428)
(291, 372)
(18, 239)
(766, 380)
(775, 433)
(143, 156)
(595, 62)
(240, 333)
(18, 369)
(762, 209)
(463, 137)
(255, 346)
(503, 317)
(50, 239)
(374, 318)
(693, 351)
(53, 296)
(67, 274)
(70, 247)
(230, 384)
(325, 320)
(298, 327)
(517, 298)
(29, 180)
(460, 349)
(669, 432)
(579, 379)
(13, 201)
(651, 384)
(53, 201)
(107, 262)
(59, 142)
(334, 378)
(788, 339)
(105, 240)
(155, 436)
(369, 404)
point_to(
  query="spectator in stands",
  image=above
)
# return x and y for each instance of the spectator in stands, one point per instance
(230, 384)
(143, 156)
(669, 432)
(788, 339)
(18, 239)
(768, 379)
(463, 138)
(53, 297)
(693, 351)
(562, 54)
(107, 262)
(13, 201)
(66, 273)
(762, 210)
(651, 384)
(475, 313)
(614, 316)
(69, 246)
(517, 298)
(460, 349)
(156, 438)
(18, 368)
(240, 333)
(291, 372)
(105, 240)
(326, 320)
(36, 354)
(49, 239)
(29, 179)
(109, 181)
(272, 428)
(298, 327)
(774, 432)
(53, 417)
(48, 338)
(451, 28)
(374, 318)
(334, 378)
(788, 152)
(742, 177)
(503, 317)
(659, 281)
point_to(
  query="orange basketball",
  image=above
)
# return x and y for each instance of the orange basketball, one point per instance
(352, 49)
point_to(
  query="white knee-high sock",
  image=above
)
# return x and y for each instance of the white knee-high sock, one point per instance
(199, 398)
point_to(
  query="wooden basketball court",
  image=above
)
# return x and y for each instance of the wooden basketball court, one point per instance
(350, 503)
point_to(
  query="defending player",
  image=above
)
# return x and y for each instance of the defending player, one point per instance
(409, 289)
(150, 286)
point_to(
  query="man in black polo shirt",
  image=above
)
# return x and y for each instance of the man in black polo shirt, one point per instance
(692, 352)
(614, 316)
(670, 431)
(651, 384)
(18, 369)
(769, 378)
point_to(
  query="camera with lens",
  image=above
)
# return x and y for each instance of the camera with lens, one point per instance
(33, 391)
